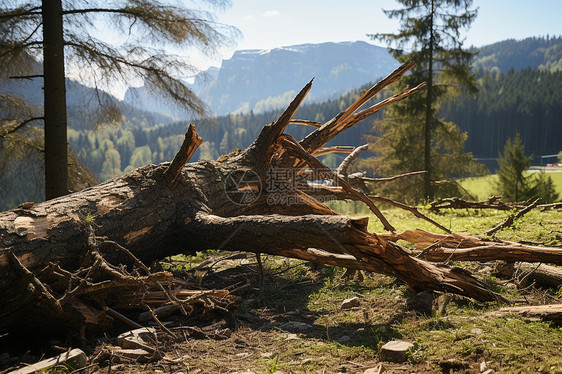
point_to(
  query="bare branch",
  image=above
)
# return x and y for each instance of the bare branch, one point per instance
(354, 193)
(342, 169)
(334, 149)
(321, 136)
(190, 144)
(305, 123)
(20, 125)
(509, 220)
(410, 209)
(390, 179)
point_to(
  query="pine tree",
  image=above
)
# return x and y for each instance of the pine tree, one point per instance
(513, 184)
(413, 137)
(545, 189)
(62, 34)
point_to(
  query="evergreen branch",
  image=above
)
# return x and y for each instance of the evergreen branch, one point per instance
(147, 68)
(36, 11)
(20, 125)
(21, 46)
(28, 76)
(32, 33)
(129, 12)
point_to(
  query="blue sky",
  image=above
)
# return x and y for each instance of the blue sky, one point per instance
(268, 24)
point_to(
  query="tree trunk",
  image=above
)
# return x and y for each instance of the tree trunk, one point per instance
(249, 201)
(56, 154)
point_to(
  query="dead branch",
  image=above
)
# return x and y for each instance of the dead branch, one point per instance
(493, 202)
(190, 144)
(552, 313)
(461, 247)
(342, 169)
(509, 220)
(526, 273)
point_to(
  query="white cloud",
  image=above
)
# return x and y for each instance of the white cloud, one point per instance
(271, 13)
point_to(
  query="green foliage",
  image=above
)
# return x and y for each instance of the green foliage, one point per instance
(513, 184)
(526, 101)
(413, 138)
(537, 53)
(545, 189)
(70, 41)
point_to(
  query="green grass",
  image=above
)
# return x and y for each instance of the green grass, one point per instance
(463, 333)
(483, 187)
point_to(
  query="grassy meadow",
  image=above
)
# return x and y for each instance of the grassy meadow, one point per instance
(483, 187)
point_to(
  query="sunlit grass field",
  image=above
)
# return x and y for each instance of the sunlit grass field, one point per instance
(483, 187)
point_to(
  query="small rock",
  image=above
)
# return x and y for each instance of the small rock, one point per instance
(138, 338)
(421, 303)
(306, 361)
(295, 326)
(343, 339)
(478, 331)
(453, 365)
(376, 370)
(138, 354)
(292, 337)
(74, 359)
(483, 366)
(267, 354)
(395, 351)
(350, 303)
(489, 371)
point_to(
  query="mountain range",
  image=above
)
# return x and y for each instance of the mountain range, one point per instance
(262, 80)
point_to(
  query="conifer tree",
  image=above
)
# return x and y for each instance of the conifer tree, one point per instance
(513, 184)
(63, 34)
(413, 137)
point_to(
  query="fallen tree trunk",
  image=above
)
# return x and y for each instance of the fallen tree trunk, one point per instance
(461, 247)
(552, 313)
(526, 274)
(61, 261)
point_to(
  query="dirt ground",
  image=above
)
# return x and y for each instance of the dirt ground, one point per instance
(293, 323)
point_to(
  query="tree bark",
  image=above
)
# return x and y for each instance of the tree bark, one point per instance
(552, 313)
(527, 274)
(56, 154)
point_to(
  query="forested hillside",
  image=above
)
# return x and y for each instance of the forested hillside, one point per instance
(115, 150)
(528, 101)
(536, 53)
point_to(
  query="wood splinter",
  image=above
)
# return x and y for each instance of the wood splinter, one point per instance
(191, 142)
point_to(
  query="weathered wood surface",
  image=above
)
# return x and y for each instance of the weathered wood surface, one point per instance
(526, 273)
(462, 247)
(552, 313)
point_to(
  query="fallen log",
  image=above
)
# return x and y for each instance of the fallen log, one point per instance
(526, 273)
(493, 202)
(552, 313)
(245, 201)
(461, 247)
